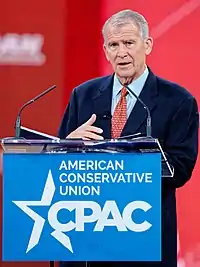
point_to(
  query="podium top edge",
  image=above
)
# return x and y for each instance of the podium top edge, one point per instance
(22, 141)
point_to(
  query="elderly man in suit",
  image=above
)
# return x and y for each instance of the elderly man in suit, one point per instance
(103, 108)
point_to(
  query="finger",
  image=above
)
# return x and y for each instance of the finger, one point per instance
(93, 136)
(94, 129)
(91, 120)
(76, 134)
(86, 139)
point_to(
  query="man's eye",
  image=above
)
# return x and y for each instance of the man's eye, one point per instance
(129, 43)
(112, 45)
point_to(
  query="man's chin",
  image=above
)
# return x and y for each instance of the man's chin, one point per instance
(126, 73)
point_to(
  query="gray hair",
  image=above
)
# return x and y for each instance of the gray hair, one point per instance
(125, 17)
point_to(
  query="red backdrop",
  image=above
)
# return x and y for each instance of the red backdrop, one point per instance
(68, 51)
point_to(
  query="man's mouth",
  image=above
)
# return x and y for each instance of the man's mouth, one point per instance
(124, 63)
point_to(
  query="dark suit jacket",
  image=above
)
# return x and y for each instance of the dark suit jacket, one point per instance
(174, 122)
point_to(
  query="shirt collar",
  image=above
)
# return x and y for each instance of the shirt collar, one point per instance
(136, 85)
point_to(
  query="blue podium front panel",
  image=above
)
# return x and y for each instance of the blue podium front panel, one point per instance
(82, 206)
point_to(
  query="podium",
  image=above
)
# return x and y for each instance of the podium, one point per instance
(75, 200)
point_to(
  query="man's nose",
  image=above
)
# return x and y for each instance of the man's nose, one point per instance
(122, 50)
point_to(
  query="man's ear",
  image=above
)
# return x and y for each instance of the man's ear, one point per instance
(148, 45)
(105, 51)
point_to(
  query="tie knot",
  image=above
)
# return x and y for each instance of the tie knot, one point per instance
(124, 92)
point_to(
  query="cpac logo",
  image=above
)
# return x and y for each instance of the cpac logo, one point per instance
(123, 222)
(21, 49)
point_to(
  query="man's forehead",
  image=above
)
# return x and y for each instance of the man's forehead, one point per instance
(122, 31)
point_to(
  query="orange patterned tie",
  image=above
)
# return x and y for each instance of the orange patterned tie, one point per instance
(120, 115)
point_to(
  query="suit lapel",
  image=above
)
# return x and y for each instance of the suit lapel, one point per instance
(139, 113)
(102, 100)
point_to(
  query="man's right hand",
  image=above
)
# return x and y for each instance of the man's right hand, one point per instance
(86, 131)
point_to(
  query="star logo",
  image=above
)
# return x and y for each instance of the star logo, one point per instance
(39, 222)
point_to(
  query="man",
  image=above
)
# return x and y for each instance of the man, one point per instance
(102, 108)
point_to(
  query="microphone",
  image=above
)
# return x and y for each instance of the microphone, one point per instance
(18, 120)
(130, 136)
(148, 129)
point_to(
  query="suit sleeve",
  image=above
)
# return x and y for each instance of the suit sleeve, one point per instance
(181, 143)
(69, 120)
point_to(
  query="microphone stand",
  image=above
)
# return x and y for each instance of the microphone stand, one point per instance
(18, 120)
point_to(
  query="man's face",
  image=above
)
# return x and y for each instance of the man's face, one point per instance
(126, 50)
